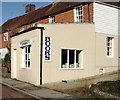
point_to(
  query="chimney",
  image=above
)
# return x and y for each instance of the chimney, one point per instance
(29, 8)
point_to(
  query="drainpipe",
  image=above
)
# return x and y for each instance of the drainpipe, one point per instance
(41, 54)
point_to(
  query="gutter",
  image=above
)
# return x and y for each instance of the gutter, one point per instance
(108, 4)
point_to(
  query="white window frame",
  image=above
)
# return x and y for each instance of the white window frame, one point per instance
(77, 16)
(5, 36)
(21, 29)
(24, 59)
(52, 19)
(111, 45)
(67, 65)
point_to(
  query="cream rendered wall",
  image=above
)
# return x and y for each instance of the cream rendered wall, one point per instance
(119, 39)
(29, 75)
(106, 24)
(69, 36)
(119, 52)
(108, 64)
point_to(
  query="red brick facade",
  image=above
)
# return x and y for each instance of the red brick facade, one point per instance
(64, 17)
(91, 12)
(68, 16)
(5, 43)
(44, 21)
(88, 13)
(0, 40)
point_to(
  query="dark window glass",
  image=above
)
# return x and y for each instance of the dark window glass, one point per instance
(28, 49)
(71, 56)
(64, 57)
(25, 49)
(28, 63)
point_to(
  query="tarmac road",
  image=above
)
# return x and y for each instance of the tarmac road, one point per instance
(11, 94)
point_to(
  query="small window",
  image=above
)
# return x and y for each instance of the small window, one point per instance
(71, 58)
(21, 29)
(26, 57)
(78, 14)
(52, 19)
(6, 36)
(109, 46)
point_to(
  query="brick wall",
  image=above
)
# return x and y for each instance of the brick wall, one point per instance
(91, 12)
(88, 17)
(5, 43)
(65, 17)
(68, 16)
(44, 21)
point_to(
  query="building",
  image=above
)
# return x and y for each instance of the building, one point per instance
(3, 51)
(64, 41)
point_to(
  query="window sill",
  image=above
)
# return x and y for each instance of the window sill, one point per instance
(71, 68)
(109, 56)
(25, 68)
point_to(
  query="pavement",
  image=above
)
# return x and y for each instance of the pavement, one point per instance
(38, 92)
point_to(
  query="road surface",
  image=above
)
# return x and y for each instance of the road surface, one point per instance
(11, 94)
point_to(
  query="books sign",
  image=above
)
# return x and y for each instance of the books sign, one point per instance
(47, 48)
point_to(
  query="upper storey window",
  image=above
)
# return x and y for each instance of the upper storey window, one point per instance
(52, 19)
(78, 14)
(109, 46)
(6, 36)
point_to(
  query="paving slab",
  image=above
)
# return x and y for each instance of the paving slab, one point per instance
(47, 93)
(11, 81)
(21, 85)
(35, 91)
(28, 88)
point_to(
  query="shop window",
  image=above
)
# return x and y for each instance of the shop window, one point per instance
(109, 46)
(78, 14)
(6, 36)
(26, 57)
(71, 58)
(52, 19)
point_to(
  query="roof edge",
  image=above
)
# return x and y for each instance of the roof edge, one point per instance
(105, 3)
(29, 29)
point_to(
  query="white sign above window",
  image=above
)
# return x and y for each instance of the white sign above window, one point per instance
(47, 48)
(25, 43)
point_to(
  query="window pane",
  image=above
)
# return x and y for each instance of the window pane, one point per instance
(107, 49)
(79, 15)
(108, 53)
(109, 46)
(29, 56)
(25, 49)
(25, 63)
(28, 49)
(71, 56)
(64, 58)
(28, 63)
(26, 57)
(77, 56)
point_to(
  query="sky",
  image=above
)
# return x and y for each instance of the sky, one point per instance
(10, 10)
